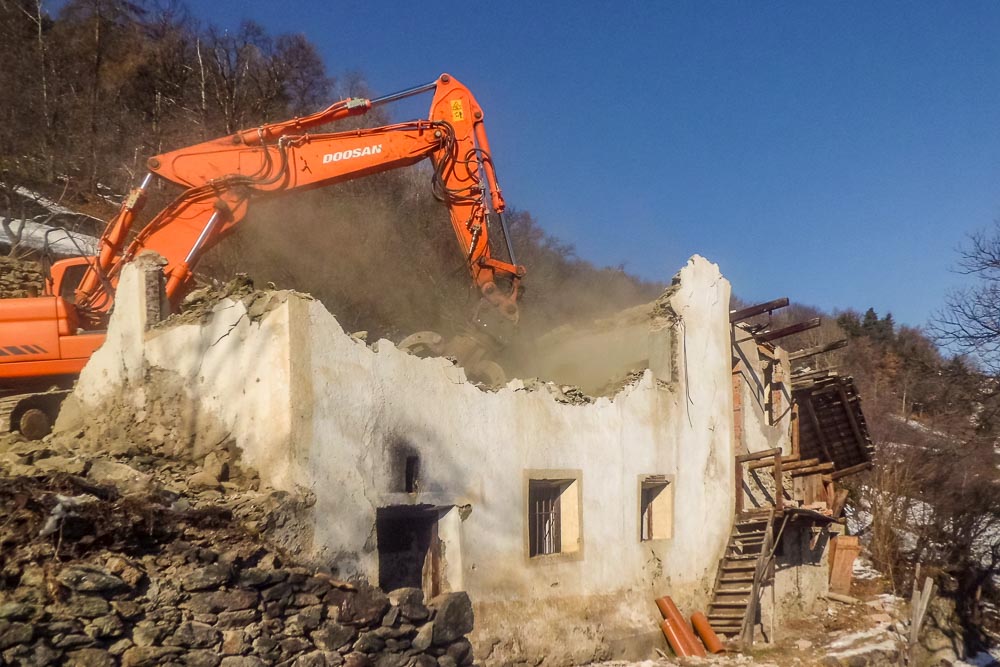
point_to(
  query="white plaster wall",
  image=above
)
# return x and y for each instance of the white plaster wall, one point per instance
(310, 406)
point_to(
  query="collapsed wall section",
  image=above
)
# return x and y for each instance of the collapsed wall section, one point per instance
(392, 445)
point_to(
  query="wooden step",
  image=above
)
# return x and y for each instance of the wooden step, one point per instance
(735, 579)
(726, 629)
(738, 565)
(757, 534)
(733, 591)
(746, 541)
(743, 557)
(726, 616)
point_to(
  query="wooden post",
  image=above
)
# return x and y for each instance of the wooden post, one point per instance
(739, 487)
(779, 484)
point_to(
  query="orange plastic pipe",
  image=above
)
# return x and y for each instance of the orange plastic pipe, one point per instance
(675, 639)
(672, 614)
(707, 634)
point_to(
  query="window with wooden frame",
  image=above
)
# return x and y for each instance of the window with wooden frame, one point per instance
(553, 516)
(656, 508)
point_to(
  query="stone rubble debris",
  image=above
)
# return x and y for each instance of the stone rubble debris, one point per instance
(124, 561)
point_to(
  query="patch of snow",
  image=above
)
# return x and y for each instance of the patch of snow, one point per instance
(52, 206)
(863, 570)
(855, 637)
(887, 645)
(61, 242)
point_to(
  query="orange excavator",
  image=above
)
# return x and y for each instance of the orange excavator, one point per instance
(45, 341)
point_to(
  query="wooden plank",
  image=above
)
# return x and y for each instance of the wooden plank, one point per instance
(812, 470)
(796, 451)
(807, 352)
(861, 467)
(786, 461)
(758, 309)
(739, 486)
(779, 483)
(756, 456)
(839, 500)
(858, 436)
(820, 435)
(798, 327)
(795, 464)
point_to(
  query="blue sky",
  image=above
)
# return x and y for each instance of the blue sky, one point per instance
(835, 153)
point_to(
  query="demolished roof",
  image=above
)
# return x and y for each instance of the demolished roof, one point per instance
(832, 426)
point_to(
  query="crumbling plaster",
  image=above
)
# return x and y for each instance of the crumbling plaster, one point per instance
(310, 406)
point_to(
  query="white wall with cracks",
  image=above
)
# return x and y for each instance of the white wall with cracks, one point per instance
(309, 406)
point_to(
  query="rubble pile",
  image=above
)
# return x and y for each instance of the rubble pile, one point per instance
(19, 278)
(147, 560)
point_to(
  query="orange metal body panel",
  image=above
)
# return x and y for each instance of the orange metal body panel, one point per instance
(704, 629)
(29, 329)
(38, 338)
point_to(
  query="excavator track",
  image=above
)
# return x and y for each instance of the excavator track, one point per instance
(31, 414)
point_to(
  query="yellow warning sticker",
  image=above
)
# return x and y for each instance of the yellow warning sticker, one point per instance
(457, 112)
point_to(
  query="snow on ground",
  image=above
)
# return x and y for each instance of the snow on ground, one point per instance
(61, 242)
(50, 205)
(36, 234)
(863, 570)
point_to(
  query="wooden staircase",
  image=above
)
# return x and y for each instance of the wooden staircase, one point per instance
(741, 572)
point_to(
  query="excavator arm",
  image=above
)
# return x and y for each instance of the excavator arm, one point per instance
(224, 176)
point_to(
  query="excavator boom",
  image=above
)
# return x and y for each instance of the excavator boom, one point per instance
(55, 334)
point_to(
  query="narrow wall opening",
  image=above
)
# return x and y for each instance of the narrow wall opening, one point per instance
(656, 508)
(409, 549)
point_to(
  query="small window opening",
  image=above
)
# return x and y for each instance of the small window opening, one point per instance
(553, 516)
(656, 509)
(412, 474)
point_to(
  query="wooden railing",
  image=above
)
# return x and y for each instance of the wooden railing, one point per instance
(758, 461)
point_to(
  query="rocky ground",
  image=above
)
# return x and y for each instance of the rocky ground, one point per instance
(141, 559)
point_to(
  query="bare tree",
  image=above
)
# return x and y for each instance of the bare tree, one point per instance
(969, 323)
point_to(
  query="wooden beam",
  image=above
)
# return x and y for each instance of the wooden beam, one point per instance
(820, 435)
(759, 309)
(796, 451)
(807, 352)
(850, 471)
(839, 500)
(786, 461)
(779, 483)
(756, 456)
(808, 463)
(739, 486)
(859, 437)
(812, 470)
(789, 330)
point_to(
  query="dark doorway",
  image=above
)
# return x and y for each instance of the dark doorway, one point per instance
(408, 548)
